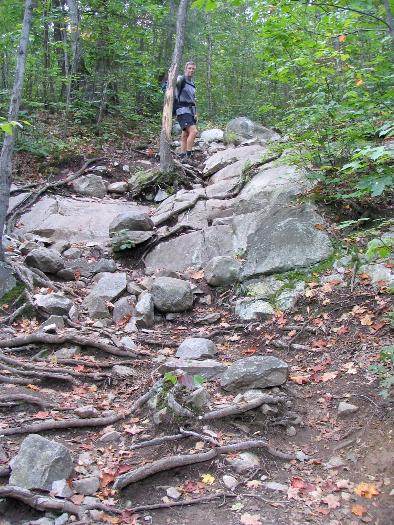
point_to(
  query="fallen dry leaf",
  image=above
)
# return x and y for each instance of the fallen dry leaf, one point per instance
(208, 479)
(366, 490)
(300, 380)
(359, 510)
(332, 501)
(254, 484)
(327, 376)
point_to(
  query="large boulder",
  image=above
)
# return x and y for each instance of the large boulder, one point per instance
(211, 135)
(39, 463)
(132, 220)
(193, 249)
(108, 288)
(90, 185)
(54, 303)
(255, 372)
(241, 128)
(172, 295)
(7, 279)
(284, 240)
(196, 348)
(47, 260)
(222, 271)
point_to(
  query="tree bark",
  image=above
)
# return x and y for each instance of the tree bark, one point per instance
(390, 19)
(166, 162)
(9, 140)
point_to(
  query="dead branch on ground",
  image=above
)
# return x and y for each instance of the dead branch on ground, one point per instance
(182, 460)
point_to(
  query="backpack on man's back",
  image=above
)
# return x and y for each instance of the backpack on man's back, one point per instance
(177, 93)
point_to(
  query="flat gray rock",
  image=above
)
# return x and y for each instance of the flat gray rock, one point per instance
(285, 240)
(209, 368)
(108, 288)
(172, 295)
(176, 204)
(39, 463)
(244, 461)
(192, 250)
(211, 135)
(196, 348)
(255, 372)
(54, 303)
(229, 156)
(65, 218)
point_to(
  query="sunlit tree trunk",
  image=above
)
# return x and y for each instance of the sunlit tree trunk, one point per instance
(9, 140)
(166, 162)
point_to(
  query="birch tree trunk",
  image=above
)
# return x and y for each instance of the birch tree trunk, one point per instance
(9, 140)
(166, 162)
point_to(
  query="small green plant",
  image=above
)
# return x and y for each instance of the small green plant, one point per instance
(121, 241)
(187, 380)
(379, 248)
(385, 371)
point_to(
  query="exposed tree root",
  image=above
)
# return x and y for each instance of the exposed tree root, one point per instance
(52, 370)
(25, 398)
(38, 375)
(288, 346)
(47, 503)
(174, 437)
(14, 380)
(194, 501)
(232, 410)
(52, 424)
(190, 459)
(70, 337)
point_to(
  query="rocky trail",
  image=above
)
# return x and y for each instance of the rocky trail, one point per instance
(191, 352)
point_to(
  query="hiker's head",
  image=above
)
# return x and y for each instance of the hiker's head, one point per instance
(190, 68)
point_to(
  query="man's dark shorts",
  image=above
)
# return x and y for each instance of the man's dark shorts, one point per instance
(186, 120)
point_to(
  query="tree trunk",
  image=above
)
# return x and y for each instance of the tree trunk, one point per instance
(166, 162)
(75, 49)
(209, 69)
(9, 140)
(390, 19)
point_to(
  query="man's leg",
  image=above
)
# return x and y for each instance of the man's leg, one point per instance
(191, 135)
(184, 136)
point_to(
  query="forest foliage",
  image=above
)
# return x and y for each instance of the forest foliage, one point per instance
(319, 71)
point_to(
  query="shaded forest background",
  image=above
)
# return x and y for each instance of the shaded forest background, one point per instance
(320, 72)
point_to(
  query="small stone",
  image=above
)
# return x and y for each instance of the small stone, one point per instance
(45, 259)
(67, 353)
(86, 486)
(62, 519)
(273, 485)
(109, 437)
(126, 168)
(134, 288)
(118, 187)
(196, 348)
(87, 412)
(173, 493)
(123, 371)
(230, 482)
(291, 431)
(244, 462)
(61, 489)
(334, 462)
(56, 320)
(42, 521)
(95, 515)
(344, 409)
(160, 416)
(128, 343)
(72, 253)
(90, 500)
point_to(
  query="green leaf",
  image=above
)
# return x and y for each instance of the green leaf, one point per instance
(170, 377)
(198, 379)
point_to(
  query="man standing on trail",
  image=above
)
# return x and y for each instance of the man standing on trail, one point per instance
(186, 112)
